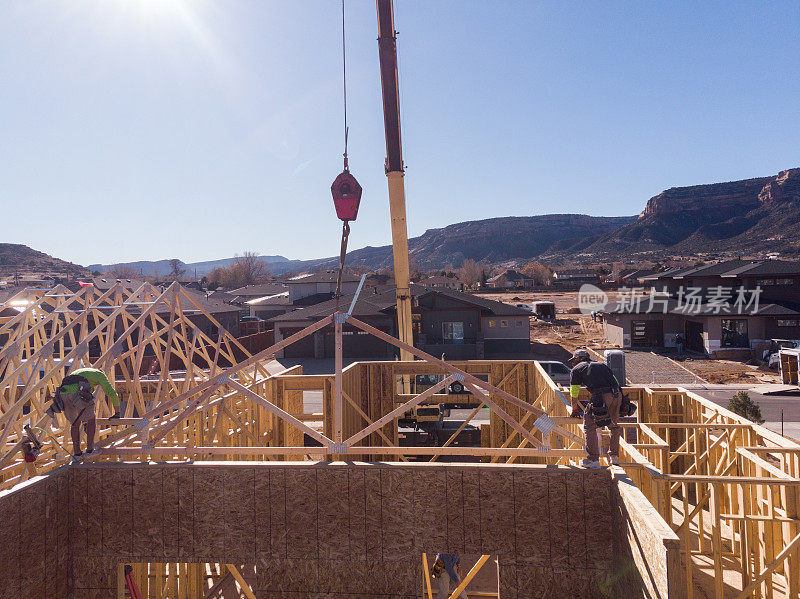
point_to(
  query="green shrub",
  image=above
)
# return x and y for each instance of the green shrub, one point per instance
(742, 405)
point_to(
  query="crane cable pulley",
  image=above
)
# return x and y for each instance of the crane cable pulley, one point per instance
(346, 190)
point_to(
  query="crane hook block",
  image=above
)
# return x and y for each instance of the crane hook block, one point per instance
(346, 196)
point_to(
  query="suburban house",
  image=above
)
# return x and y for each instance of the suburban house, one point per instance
(312, 288)
(269, 306)
(727, 308)
(575, 277)
(227, 315)
(242, 295)
(445, 322)
(510, 279)
(442, 282)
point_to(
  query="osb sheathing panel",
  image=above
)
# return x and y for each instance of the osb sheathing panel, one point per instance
(320, 530)
(647, 551)
(35, 547)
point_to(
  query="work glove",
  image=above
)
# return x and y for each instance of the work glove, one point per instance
(576, 413)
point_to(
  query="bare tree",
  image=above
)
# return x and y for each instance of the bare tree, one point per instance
(470, 272)
(124, 271)
(247, 269)
(540, 273)
(176, 272)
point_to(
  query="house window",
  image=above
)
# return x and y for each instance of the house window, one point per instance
(764, 282)
(734, 333)
(788, 323)
(784, 281)
(453, 332)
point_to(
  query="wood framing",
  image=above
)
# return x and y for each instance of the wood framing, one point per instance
(729, 489)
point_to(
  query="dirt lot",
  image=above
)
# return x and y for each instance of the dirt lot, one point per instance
(729, 372)
(573, 329)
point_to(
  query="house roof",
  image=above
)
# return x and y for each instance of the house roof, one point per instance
(261, 290)
(673, 306)
(324, 276)
(440, 280)
(511, 275)
(276, 299)
(733, 268)
(379, 301)
(210, 305)
(576, 272)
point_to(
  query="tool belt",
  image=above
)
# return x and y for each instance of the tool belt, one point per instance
(437, 568)
(600, 415)
(74, 398)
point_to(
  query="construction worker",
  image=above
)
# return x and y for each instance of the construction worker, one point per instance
(446, 568)
(603, 408)
(679, 344)
(75, 398)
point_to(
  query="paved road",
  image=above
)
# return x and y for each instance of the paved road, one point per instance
(771, 406)
(644, 367)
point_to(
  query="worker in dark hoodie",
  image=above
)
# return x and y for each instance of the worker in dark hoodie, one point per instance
(603, 408)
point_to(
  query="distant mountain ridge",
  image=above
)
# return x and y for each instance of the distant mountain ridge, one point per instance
(751, 216)
(748, 216)
(16, 258)
(494, 240)
(159, 268)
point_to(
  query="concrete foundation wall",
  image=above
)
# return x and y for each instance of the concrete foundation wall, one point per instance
(314, 529)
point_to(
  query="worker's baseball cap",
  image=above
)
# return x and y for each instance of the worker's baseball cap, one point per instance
(578, 356)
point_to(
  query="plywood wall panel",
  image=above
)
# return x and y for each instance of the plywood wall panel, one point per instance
(323, 529)
(358, 508)
(497, 511)
(277, 506)
(429, 508)
(398, 511)
(80, 511)
(186, 495)
(455, 512)
(301, 513)
(599, 508)
(147, 507)
(51, 517)
(9, 542)
(532, 519)
(209, 511)
(372, 520)
(94, 514)
(239, 509)
(472, 507)
(261, 508)
(171, 492)
(32, 535)
(117, 501)
(333, 501)
(576, 520)
(559, 543)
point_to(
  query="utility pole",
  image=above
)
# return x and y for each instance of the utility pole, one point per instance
(387, 48)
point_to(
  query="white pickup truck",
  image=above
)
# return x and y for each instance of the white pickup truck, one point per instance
(771, 355)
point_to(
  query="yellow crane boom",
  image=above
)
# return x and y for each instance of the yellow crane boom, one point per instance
(387, 48)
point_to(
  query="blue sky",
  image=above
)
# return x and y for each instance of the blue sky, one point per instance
(148, 129)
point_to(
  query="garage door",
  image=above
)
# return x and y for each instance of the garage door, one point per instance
(647, 333)
(356, 344)
(304, 348)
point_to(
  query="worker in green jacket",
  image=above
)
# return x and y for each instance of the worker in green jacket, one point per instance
(75, 398)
